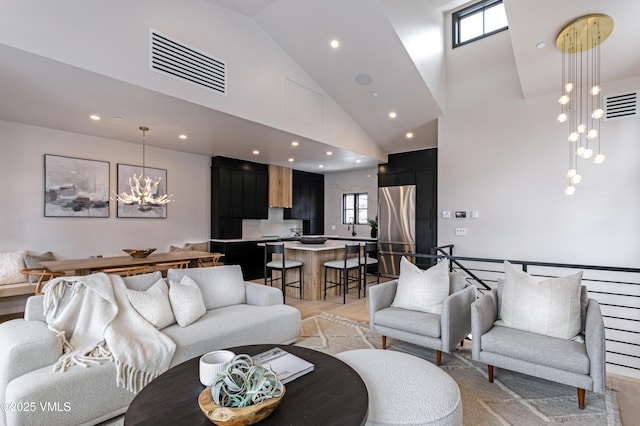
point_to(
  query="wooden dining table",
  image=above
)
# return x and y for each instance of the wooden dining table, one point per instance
(86, 266)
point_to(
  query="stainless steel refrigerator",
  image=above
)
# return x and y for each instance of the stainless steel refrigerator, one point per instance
(396, 226)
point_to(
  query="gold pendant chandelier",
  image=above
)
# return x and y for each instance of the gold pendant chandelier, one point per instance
(143, 189)
(581, 99)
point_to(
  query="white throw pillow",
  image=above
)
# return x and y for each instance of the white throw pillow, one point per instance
(10, 265)
(548, 306)
(153, 304)
(422, 289)
(220, 285)
(142, 282)
(186, 301)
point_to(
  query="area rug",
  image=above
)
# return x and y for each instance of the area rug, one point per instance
(512, 398)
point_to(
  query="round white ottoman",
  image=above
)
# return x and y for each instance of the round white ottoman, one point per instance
(404, 389)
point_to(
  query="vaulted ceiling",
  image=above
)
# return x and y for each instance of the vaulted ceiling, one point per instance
(385, 63)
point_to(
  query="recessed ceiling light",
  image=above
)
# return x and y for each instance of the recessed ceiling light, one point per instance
(183, 137)
(541, 45)
(392, 114)
(291, 160)
(321, 166)
(256, 152)
(334, 43)
(358, 161)
(117, 118)
(94, 117)
(329, 153)
(374, 94)
(294, 143)
(408, 135)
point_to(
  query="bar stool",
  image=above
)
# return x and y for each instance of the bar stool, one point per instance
(281, 265)
(369, 262)
(343, 267)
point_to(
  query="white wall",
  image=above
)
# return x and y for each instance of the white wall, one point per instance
(507, 157)
(22, 193)
(336, 184)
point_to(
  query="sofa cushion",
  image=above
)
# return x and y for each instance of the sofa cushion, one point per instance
(142, 282)
(566, 354)
(220, 285)
(153, 304)
(33, 261)
(549, 306)
(11, 263)
(422, 290)
(417, 322)
(186, 301)
(236, 325)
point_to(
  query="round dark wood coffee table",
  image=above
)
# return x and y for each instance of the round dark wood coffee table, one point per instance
(331, 394)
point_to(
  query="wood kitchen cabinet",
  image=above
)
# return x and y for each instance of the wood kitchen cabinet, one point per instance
(280, 191)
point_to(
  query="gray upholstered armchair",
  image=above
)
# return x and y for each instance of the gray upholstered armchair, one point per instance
(442, 332)
(559, 360)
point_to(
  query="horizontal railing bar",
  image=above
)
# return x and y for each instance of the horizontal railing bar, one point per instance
(532, 263)
(620, 329)
(624, 343)
(622, 365)
(620, 353)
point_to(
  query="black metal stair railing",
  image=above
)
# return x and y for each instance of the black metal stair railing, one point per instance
(617, 289)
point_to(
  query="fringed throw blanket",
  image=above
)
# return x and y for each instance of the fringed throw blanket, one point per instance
(97, 323)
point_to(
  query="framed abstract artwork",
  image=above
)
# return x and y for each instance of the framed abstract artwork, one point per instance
(150, 211)
(75, 187)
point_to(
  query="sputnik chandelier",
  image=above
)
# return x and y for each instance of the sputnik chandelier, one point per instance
(143, 189)
(581, 99)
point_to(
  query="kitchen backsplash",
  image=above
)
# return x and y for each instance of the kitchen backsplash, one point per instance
(275, 226)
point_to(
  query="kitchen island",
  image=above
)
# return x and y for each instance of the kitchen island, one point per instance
(313, 257)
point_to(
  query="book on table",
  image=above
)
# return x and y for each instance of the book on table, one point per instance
(285, 365)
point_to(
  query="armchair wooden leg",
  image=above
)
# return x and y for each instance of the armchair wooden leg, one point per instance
(438, 357)
(384, 342)
(581, 398)
(490, 373)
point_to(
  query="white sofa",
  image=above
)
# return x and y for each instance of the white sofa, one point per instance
(33, 394)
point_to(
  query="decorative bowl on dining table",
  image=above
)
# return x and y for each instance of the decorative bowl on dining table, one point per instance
(139, 253)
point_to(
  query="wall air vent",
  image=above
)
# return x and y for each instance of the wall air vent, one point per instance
(172, 58)
(621, 105)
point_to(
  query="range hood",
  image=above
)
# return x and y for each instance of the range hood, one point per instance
(280, 181)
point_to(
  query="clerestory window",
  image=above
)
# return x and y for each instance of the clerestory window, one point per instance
(478, 21)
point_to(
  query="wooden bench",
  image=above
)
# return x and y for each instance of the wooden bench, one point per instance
(17, 289)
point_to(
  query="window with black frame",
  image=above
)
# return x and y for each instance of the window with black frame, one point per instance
(478, 21)
(354, 208)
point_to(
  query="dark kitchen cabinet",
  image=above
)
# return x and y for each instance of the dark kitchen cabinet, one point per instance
(239, 190)
(229, 187)
(396, 179)
(255, 194)
(248, 254)
(308, 201)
